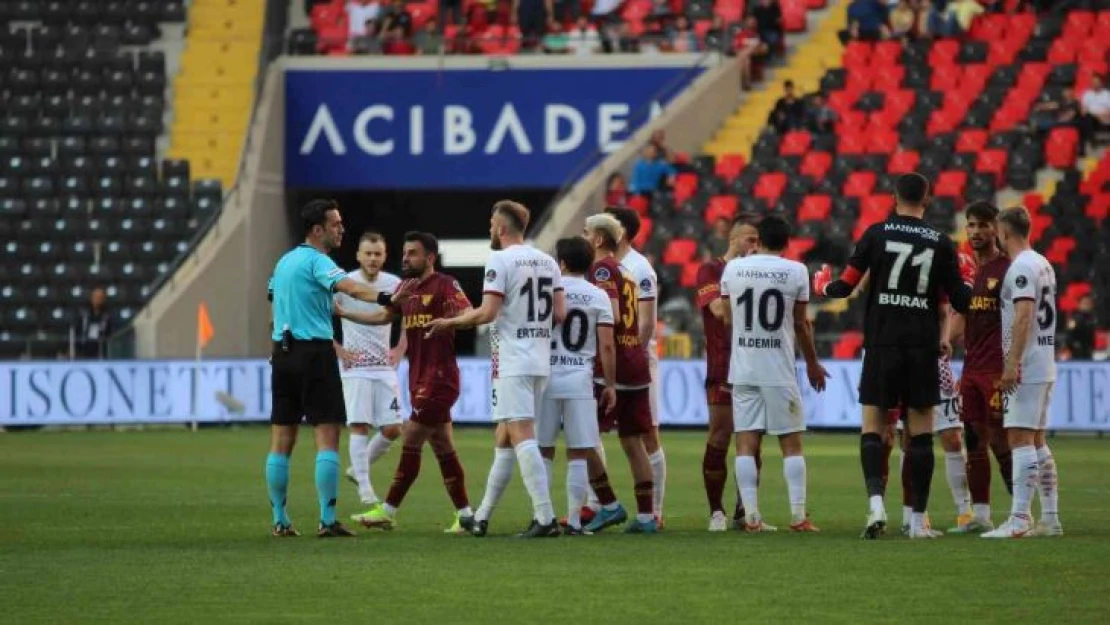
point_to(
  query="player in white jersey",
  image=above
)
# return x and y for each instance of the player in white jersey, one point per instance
(767, 297)
(1028, 302)
(523, 298)
(568, 402)
(647, 285)
(368, 370)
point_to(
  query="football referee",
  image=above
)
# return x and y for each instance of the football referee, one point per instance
(305, 380)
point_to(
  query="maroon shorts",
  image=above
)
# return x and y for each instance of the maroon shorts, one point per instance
(433, 409)
(979, 400)
(631, 415)
(893, 416)
(718, 394)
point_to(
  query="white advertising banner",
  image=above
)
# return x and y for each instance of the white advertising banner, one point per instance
(152, 391)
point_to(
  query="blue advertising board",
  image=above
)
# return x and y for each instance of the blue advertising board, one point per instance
(464, 128)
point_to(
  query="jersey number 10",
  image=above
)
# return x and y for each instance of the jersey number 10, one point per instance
(770, 320)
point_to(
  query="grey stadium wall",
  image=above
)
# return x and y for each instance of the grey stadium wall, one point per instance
(230, 266)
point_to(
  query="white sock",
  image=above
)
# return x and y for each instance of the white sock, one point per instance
(658, 480)
(1026, 471)
(500, 473)
(578, 481)
(747, 479)
(917, 520)
(876, 503)
(535, 480)
(794, 469)
(356, 448)
(549, 470)
(907, 515)
(956, 469)
(390, 510)
(1047, 483)
(379, 445)
(591, 497)
(982, 511)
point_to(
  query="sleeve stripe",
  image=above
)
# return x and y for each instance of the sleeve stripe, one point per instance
(493, 292)
(604, 324)
(1023, 299)
(647, 299)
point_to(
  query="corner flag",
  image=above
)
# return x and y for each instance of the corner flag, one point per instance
(205, 331)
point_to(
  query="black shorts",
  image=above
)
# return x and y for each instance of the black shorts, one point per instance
(305, 383)
(898, 376)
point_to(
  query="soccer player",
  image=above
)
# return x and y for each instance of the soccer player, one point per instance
(742, 241)
(912, 265)
(1028, 302)
(583, 339)
(305, 381)
(523, 298)
(632, 413)
(767, 297)
(368, 371)
(980, 401)
(433, 378)
(644, 277)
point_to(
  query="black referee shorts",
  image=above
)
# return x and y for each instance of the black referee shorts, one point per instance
(898, 376)
(305, 383)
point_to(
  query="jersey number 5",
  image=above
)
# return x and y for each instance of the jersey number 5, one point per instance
(538, 289)
(1046, 313)
(923, 260)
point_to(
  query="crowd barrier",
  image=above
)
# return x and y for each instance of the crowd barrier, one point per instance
(153, 391)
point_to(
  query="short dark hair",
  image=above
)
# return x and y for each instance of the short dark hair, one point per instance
(516, 213)
(576, 253)
(371, 236)
(745, 219)
(628, 219)
(427, 240)
(1017, 218)
(911, 189)
(315, 213)
(982, 210)
(788, 84)
(774, 233)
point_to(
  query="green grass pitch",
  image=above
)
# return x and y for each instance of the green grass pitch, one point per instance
(170, 526)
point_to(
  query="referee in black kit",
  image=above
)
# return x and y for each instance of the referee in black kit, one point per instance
(305, 377)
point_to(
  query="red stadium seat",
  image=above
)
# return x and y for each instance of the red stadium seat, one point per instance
(950, 184)
(842, 101)
(1069, 300)
(721, 207)
(770, 186)
(943, 53)
(1078, 24)
(848, 345)
(1102, 340)
(644, 235)
(992, 162)
(793, 16)
(815, 208)
(680, 251)
(857, 54)
(795, 143)
(876, 208)
(815, 5)
(1063, 51)
(944, 121)
(862, 224)
(1032, 202)
(797, 248)
(689, 277)
(1060, 250)
(989, 27)
(852, 143)
(1061, 146)
(945, 78)
(883, 142)
(886, 53)
(900, 101)
(1039, 225)
(638, 203)
(685, 185)
(903, 162)
(859, 184)
(972, 140)
(1099, 207)
(851, 122)
(816, 165)
(1004, 52)
(729, 166)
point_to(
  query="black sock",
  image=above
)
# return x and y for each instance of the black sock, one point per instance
(871, 459)
(921, 470)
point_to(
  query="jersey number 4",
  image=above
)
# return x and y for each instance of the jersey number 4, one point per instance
(923, 260)
(538, 289)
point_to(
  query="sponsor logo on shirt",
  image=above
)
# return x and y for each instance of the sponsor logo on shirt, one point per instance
(426, 299)
(776, 277)
(645, 284)
(991, 283)
(1021, 281)
(491, 275)
(601, 274)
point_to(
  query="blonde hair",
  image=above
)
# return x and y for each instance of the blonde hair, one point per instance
(608, 226)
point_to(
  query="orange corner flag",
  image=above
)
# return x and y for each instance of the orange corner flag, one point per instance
(205, 331)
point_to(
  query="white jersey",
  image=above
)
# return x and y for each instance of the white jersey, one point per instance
(370, 344)
(520, 339)
(761, 291)
(574, 348)
(647, 289)
(1031, 277)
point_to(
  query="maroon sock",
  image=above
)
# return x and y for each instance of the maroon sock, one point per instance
(602, 489)
(454, 480)
(644, 497)
(1006, 467)
(407, 470)
(979, 475)
(907, 480)
(714, 474)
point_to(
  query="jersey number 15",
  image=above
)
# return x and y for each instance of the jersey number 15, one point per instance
(538, 289)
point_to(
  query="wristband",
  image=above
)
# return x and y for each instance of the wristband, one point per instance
(385, 299)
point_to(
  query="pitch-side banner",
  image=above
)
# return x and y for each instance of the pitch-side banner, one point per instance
(463, 128)
(149, 391)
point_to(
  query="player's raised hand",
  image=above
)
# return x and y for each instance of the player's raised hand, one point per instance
(968, 268)
(817, 376)
(436, 326)
(403, 293)
(822, 279)
(608, 399)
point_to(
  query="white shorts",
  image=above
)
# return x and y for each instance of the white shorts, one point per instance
(517, 397)
(371, 402)
(947, 414)
(577, 418)
(653, 390)
(776, 410)
(1027, 406)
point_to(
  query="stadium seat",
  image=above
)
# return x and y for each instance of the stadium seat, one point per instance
(680, 251)
(729, 166)
(950, 183)
(721, 207)
(815, 208)
(848, 346)
(1061, 147)
(860, 184)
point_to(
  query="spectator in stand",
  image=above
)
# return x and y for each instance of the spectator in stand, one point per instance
(616, 191)
(394, 17)
(556, 41)
(718, 238)
(1081, 330)
(429, 42)
(1095, 104)
(1053, 110)
(820, 117)
(651, 173)
(866, 21)
(960, 15)
(359, 14)
(768, 19)
(661, 10)
(394, 42)
(451, 12)
(533, 18)
(583, 39)
(566, 12)
(681, 37)
(903, 21)
(789, 112)
(749, 47)
(94, 326)
(659, 140)
(654, 38)
(716, 38)
(605, 12)
(619, 38)
(368, 42)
